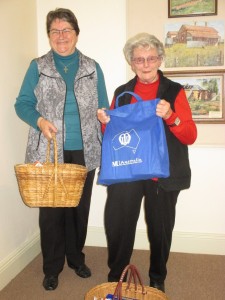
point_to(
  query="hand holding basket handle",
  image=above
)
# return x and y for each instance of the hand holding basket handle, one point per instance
(47, 128)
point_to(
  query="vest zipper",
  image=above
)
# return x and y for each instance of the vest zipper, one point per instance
(38, 141)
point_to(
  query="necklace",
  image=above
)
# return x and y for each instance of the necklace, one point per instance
(66, 69)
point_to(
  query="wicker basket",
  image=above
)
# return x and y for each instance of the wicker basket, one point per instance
(128, 290)
(51, 185)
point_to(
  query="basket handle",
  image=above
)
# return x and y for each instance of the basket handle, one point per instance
(133, 274)
(55, 161)
(55, 150)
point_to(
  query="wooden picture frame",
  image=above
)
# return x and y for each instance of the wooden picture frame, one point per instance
(190, 8)
(205, 93)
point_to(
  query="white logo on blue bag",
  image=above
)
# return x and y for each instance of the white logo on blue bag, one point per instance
(129, 139)
(124, 138)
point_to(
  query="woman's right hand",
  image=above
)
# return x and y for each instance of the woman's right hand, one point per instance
(46, 127)
(102, 116)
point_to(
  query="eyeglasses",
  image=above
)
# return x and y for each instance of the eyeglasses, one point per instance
(65, 32)
(142, 60)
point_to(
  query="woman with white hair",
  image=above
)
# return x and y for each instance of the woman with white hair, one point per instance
(145, 53)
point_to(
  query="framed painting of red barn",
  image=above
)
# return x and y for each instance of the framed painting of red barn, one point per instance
(189, 8)
(194, 44)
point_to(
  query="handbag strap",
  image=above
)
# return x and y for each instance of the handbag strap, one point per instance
(136, 96)
(133, 274)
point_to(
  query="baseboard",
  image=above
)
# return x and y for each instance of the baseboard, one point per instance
(198, 243)
(14, 263)
(185, 242)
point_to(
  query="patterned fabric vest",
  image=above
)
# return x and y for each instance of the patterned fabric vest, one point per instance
(51, 94)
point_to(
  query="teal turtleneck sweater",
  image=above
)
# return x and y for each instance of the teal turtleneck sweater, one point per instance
(67, 67)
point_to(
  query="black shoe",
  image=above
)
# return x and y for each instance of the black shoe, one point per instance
(50, 282)
(158, 285)
(83, 271)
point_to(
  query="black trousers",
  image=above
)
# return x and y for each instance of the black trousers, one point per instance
(63, 230)
(121, 215)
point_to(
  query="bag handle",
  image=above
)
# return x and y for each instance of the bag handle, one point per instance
(119, 113)
(133, 274)
(136, 96)
(123, 114)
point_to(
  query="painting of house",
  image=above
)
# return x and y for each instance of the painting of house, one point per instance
(197, 35)
(197, 93)
(204, 93)
(193, 44)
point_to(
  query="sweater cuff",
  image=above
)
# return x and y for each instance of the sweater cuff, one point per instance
(171, 119)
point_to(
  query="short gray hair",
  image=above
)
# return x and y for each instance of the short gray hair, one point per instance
(62, 14)
(144, 40)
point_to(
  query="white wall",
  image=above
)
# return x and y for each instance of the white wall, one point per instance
(18, 224)
(200, 223)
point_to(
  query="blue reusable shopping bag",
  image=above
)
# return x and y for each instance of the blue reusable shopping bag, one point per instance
(134, 144)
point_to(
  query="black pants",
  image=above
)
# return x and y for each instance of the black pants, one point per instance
(64, 230)
(121, 215)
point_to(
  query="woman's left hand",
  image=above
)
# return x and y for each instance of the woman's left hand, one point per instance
(163, 109)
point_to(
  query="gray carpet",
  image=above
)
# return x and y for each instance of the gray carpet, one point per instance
(190, 277)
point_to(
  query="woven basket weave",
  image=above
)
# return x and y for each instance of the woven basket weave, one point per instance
(126, 289)
(51, 185)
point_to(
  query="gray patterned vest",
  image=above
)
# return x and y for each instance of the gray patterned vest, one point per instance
(51, 93)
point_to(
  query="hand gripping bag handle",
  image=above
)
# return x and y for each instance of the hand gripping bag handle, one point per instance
(134, 274)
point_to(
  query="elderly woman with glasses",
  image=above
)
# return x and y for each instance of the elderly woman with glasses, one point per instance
(60, 94)
(145, 53)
